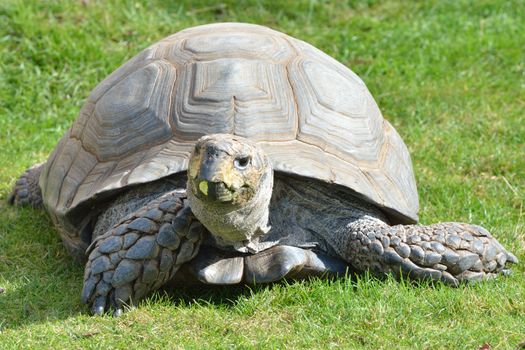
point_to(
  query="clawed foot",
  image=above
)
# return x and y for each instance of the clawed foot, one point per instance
(481, 256)
(449, 252)
(26, 190)
(140, 254)
(454, 253)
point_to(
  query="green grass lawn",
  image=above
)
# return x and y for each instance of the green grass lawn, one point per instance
(449, 75)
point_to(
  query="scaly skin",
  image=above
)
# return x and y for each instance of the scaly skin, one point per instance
(26, 190)
(450, 252)
(140, 253)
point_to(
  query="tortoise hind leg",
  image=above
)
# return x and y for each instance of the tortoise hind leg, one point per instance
(450, 252)
(26, 190)
(140, 253)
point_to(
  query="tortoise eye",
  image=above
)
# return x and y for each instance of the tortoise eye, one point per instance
(241, 163)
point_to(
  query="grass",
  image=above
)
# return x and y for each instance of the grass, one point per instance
(449, 75)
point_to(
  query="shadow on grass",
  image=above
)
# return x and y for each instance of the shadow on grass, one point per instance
(230, 295)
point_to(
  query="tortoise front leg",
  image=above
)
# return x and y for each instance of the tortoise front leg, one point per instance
(140, 253)
(449, 252)
(26, 190)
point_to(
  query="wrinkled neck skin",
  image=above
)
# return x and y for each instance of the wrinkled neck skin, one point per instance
(236, 225)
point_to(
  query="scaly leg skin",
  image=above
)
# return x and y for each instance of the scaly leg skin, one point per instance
(26, 190)
(140, 253)
(450, 252)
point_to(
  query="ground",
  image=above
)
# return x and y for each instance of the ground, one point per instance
(449, 75)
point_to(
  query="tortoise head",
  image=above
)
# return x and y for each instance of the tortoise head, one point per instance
(226, 169)
(229, 186)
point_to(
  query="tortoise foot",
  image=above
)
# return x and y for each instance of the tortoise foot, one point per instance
(26, 191)
(214, 266)
(449, 252)
(140, 254)
(282, 262)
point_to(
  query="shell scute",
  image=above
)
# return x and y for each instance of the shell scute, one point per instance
(132, 114)
(336, 113)
(227, 96)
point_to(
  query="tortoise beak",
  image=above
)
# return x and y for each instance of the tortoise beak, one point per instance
(213, 166)
(211, 176)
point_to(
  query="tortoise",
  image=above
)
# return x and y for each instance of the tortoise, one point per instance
(232, 153)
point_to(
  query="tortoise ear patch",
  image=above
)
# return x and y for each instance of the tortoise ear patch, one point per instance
(132, 113)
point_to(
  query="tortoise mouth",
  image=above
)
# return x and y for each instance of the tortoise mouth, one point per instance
(220, 192)
(214, 191)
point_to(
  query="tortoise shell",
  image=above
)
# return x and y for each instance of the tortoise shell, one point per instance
(312, 115)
